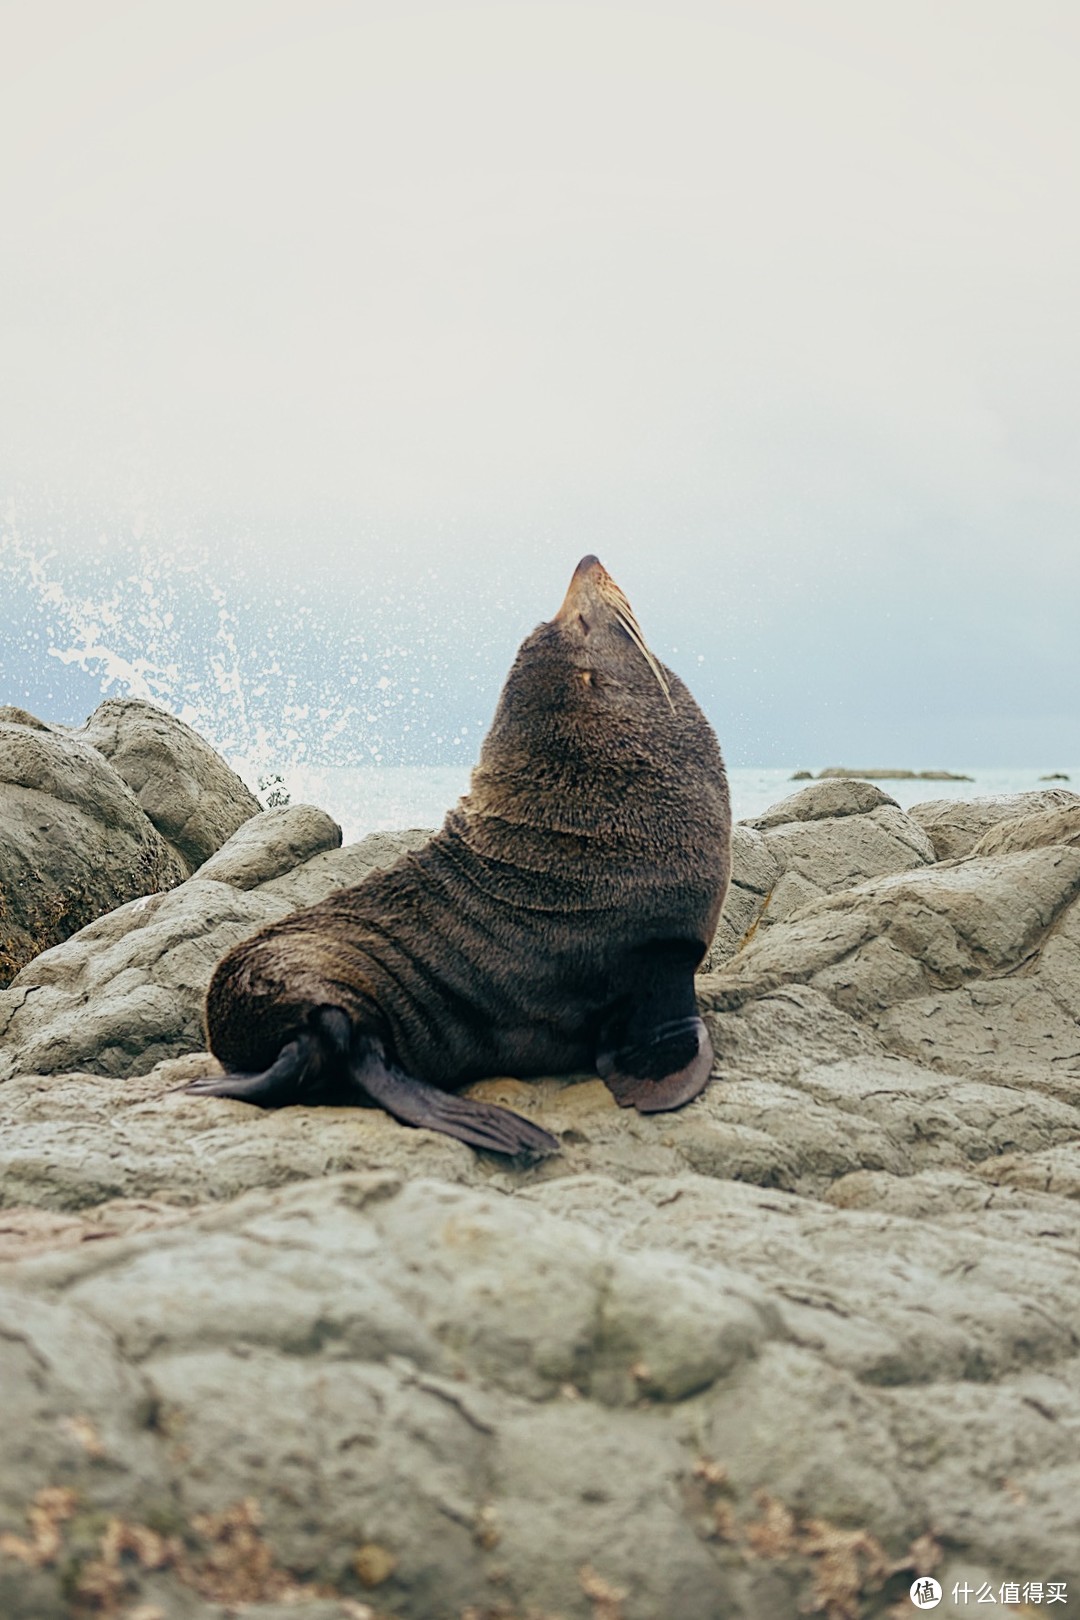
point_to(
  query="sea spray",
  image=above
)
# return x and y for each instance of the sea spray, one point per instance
(273, 675)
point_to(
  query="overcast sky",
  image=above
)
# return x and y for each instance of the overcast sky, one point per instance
(773, 305)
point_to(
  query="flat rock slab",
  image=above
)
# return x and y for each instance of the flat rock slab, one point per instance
(720, 1355)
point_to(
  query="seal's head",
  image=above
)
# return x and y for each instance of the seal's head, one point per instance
(594, 737)
(596, 613)
(586, 673)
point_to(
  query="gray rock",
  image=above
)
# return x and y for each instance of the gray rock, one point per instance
(719, 1352)
(819, 841)
(1056, 826)
(10, 715)
(774, 1353)
(973, 966)
(75, 843)
(955, 826)
(755, 872)
(128, 990)
(272, 844)
(193, 798)
(840, 798)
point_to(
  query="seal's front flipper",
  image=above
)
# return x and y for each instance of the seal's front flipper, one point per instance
(654, 1051)
(281, 1083)
(415, 1102)
(659, 1069)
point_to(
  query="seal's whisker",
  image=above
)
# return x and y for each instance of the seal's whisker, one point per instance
(630, 625)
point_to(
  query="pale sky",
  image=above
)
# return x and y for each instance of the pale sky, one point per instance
(771, 304)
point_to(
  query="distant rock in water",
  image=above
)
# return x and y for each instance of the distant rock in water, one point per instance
(802, 776)
(891, 774)
(1055, 776)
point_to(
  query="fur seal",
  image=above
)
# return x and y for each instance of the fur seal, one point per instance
(553, 924)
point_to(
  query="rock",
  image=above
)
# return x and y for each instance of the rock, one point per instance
(775, 1353)
(955, 826)
(193, 798)
(75, 845)
(802, 776)
(722, 1358)
(272, 844)
(12, 716)
(819, 803)
(973, 967)
(1055, 776)
(128, 990)
(891, 774)
(754, 874)
(1032, 831)
(819, 841)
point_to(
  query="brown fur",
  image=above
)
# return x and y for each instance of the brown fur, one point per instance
(595, 831)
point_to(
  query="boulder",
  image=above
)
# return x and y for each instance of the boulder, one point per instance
(954, 826)
(1032, 830)
(972, 966)
(128, 990)
(189, 793)
(11, 715)
(75, 845)
(821, 840)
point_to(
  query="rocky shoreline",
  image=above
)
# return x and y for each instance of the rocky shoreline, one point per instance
(777, 1353)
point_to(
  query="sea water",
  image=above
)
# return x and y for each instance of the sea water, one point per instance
(148, 626)
(382, 798)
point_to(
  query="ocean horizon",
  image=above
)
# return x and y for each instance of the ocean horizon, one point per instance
(385, 798)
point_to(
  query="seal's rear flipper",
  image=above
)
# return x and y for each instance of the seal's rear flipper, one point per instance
(415, 1102)
(281, 1083)
(667, 1067)
(326, 1063)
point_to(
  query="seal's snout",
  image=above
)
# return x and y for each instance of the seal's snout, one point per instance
(590, 565)
(590, 585)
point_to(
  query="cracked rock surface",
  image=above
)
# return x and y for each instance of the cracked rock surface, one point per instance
(775, 1353)
(822, 840)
